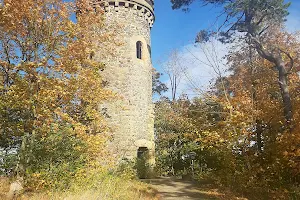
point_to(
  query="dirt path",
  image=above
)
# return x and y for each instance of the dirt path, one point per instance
(176, 189)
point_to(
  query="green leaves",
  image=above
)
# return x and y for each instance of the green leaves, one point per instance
(250, 16)
(54, 159)
(51, 88)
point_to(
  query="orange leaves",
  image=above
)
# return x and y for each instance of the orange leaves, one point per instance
(290, 149)
(50, 79)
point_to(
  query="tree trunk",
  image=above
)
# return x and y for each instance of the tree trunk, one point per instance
(286, 96)
(259, 131)
(283, 83)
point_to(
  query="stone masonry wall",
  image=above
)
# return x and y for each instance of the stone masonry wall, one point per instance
(131, 116)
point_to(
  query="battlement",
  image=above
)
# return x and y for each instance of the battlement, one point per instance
(142, 7)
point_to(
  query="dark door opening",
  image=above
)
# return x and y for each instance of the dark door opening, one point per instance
(142, 152)
(142, 162)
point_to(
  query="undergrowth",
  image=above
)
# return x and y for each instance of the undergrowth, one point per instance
(102, 186)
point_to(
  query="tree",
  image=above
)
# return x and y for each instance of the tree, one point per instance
(256, 98)
(262, 22)
(173, 130)
(157, 86)
(175, 69)
(51, 86)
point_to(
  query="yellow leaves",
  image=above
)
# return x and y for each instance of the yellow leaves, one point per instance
(54, 86)
(211, 139)
(285, 153)
(53, 75)
(229, 107)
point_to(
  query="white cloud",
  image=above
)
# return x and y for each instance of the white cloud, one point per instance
(200, 61)
(202, 64)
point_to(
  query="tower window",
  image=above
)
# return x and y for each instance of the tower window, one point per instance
(149, 49)
(139, 50)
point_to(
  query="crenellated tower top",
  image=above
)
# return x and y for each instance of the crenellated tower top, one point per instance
(143, 7)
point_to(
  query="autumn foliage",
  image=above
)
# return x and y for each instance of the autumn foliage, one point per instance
(51, 87)
(237, 129)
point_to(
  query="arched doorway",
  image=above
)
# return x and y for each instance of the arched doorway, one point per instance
(142, 162)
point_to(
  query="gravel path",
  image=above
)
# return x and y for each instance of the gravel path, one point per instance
(176, 189)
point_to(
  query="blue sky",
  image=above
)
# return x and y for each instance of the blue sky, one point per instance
(175, 29)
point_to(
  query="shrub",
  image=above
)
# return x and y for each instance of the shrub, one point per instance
(55, 159)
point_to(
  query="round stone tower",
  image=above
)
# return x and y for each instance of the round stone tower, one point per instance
(129, 74)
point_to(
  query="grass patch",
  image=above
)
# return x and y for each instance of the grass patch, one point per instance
(108, 187)
(4, 187)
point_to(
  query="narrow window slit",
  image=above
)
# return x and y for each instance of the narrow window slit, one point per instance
(139, 50)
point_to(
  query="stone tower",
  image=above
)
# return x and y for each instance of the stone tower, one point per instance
(129, 74)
